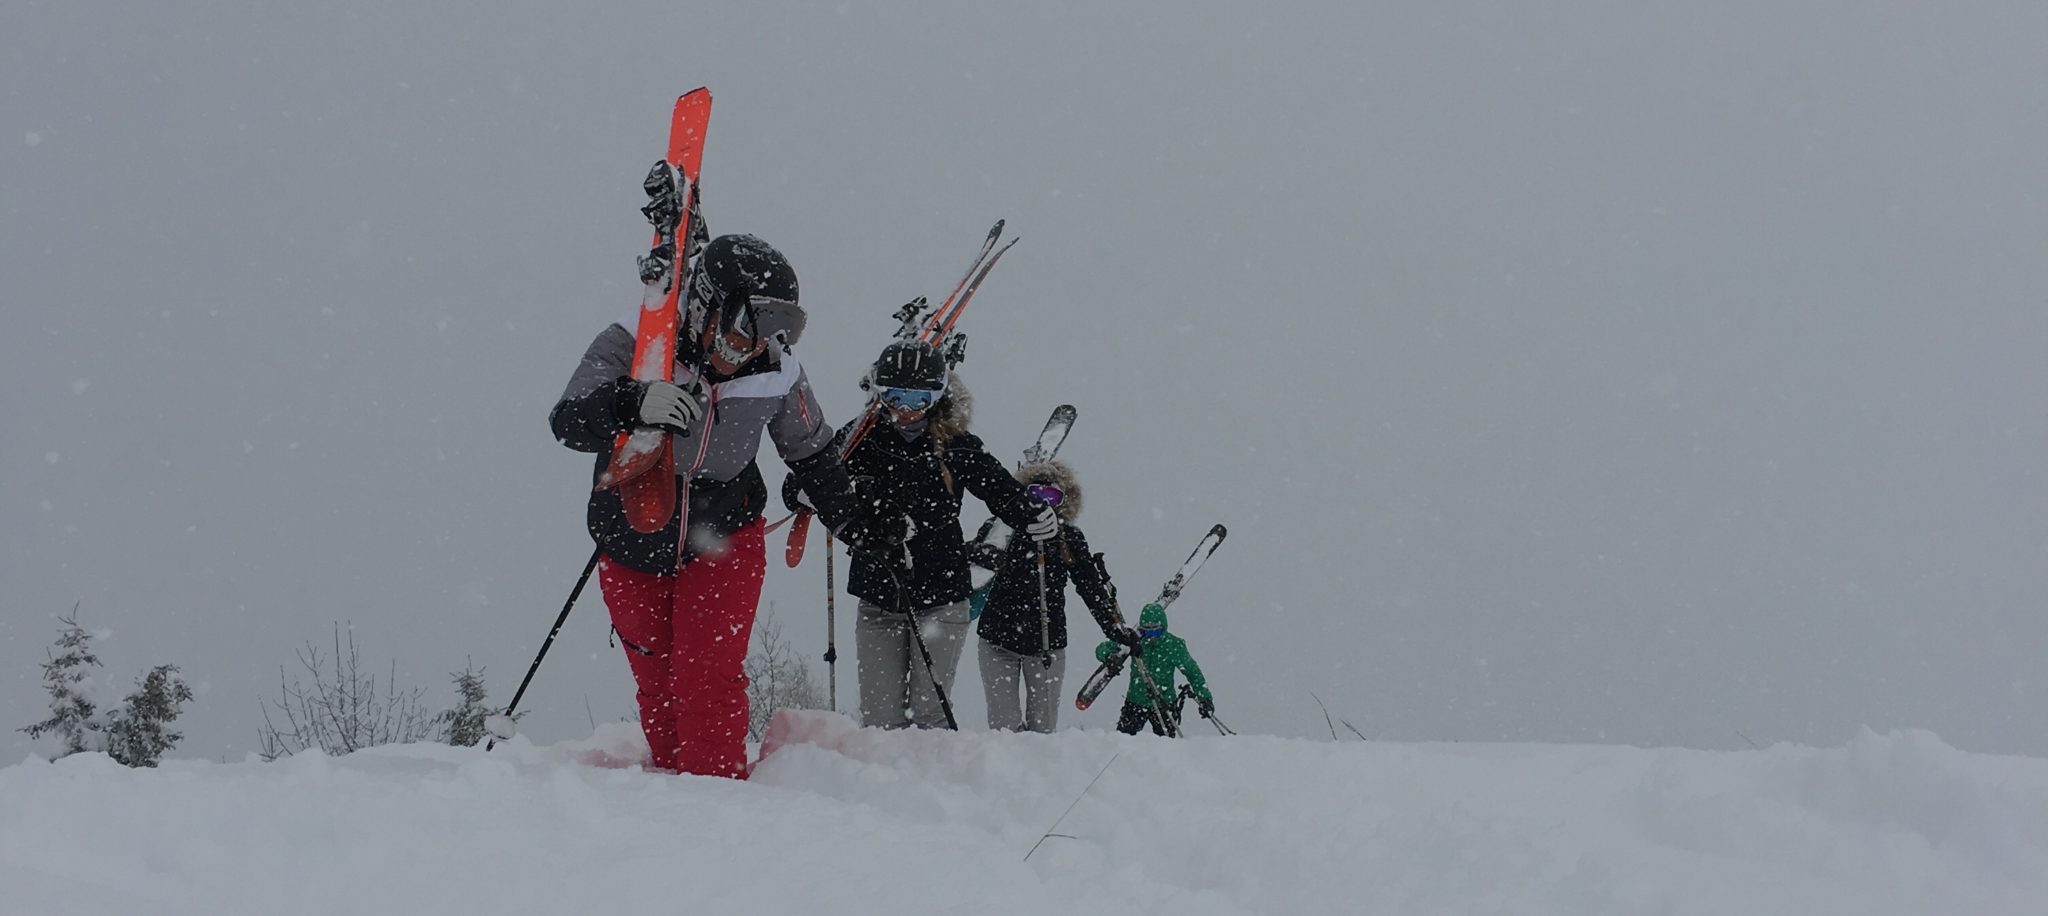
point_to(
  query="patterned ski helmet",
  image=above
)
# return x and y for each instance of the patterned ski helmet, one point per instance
(742, 283)
(909, 364)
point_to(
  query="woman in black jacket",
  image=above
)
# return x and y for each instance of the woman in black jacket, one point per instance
(919, 461)
(1024, 624)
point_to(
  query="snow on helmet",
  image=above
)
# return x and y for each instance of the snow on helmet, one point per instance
(909, 364)
(742, 283)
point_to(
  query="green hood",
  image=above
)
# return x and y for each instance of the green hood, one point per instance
(1152, 616)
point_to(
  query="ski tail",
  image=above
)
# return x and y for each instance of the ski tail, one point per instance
(799, 534)
(1105, 673)
(649, 496)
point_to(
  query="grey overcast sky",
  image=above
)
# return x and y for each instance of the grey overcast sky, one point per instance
(1610, 372)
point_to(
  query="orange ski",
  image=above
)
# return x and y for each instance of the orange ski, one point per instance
(934, 331)
(642, 464)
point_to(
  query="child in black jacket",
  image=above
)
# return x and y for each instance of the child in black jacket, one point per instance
(1023, 627)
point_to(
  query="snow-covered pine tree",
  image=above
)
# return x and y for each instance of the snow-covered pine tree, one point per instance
(464, 725)
(138, 733)
(68, 677)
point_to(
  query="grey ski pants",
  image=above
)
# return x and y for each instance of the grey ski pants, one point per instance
(1004, 671)
(895, 691)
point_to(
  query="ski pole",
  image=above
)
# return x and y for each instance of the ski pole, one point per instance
(1044, 613)
(931, 669)
(574, 593)
(1187, 690)
(831, 627)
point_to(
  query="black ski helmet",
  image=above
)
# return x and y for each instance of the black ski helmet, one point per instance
(743, 283)
(909, 364)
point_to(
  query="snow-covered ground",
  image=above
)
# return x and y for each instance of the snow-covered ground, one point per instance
(841, 821)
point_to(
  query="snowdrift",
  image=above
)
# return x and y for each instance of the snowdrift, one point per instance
(838, 820)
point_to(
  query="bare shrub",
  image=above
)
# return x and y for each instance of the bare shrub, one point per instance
(342, 710)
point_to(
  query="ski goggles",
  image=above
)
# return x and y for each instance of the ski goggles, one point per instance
(1151, 632)
(907, 398)
(1052, 495)
(733, 312)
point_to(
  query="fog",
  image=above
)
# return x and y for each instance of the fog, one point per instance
(1592, 372)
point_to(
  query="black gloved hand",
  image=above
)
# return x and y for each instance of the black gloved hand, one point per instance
(1206, 706)
(985, 556)
(794, 498)
(882, 535)
(1125, 636)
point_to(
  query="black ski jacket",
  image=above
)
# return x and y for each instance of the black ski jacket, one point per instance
(925, 477)
(1011, 618)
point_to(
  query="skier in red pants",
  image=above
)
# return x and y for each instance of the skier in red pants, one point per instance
(684, 603)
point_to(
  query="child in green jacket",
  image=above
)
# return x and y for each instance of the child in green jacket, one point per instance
(1164, 653)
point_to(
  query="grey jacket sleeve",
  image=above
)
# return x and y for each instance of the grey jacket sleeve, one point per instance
(589, 413)
(799, 429)
(805, 441)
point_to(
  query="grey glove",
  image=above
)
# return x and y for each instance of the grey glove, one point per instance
(667, 406)
(1045, 527)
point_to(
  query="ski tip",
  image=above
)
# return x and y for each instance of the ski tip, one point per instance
(996, 231)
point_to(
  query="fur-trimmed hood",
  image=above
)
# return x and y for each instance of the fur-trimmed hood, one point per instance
(952, 414)
(1057, 473)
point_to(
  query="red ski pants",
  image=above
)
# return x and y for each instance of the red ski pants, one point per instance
(686, 639)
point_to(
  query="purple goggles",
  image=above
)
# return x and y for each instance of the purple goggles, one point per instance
(1045, 491)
